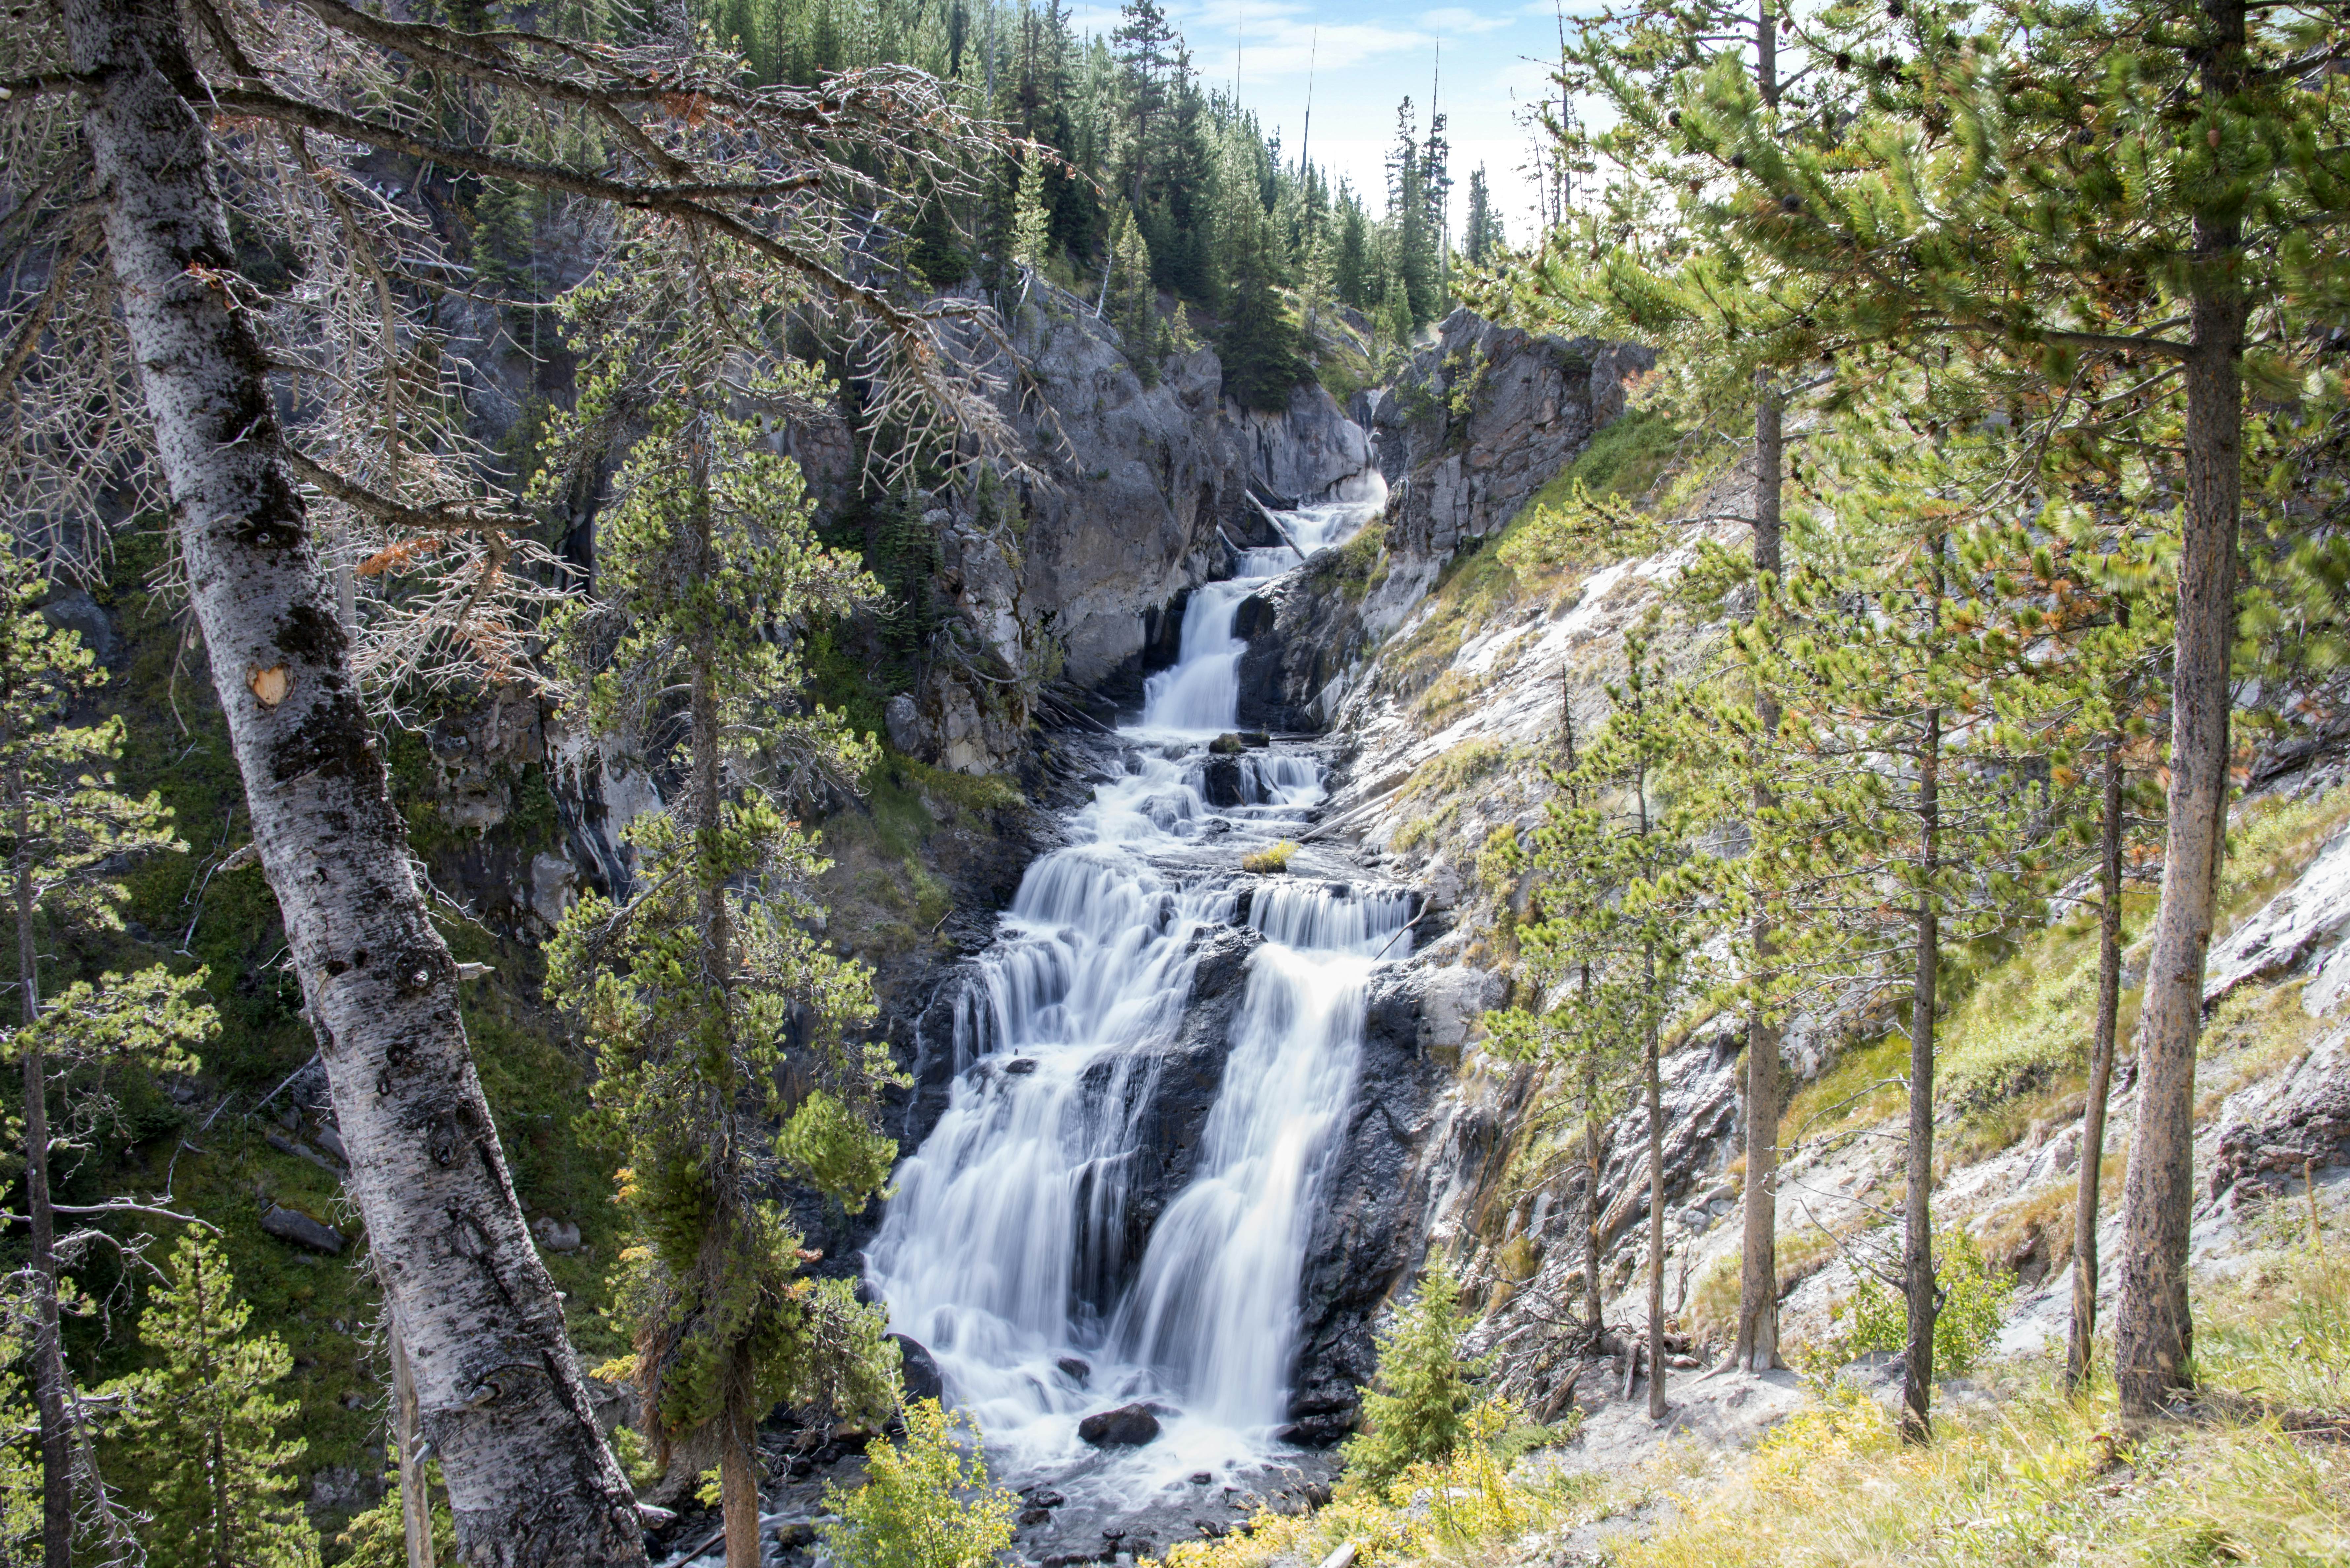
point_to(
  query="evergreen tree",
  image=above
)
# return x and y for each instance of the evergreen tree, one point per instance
(1578, 1017)
(1610, 903)
(2062, 192)
(1900, 825)
(1412, 299)
(1352, 272)
(64, 830)
(1149, 49)
(1031, 227)
(1415, 1410)
(1482, 239)
(206, 1433)
(716, 1015)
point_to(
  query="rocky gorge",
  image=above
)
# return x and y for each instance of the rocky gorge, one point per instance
(1192, 635)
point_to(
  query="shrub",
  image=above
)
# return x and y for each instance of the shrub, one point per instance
(1975, 1292)
(1415, 1410)
(1271, 861)
(926, 1501)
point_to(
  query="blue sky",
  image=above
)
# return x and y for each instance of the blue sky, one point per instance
(1365, 56)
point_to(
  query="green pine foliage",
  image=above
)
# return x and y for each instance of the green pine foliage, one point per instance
(714, 1010)
(926, 1501)
(1416, 1408)
(378, 1537)
(209, 1459)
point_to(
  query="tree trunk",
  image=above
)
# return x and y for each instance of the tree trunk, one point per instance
(1917, 1206)
(500, 1391)
(2153, 1331)
(48, 1353)
(738, 1485)
(2101, 1075)
(415, 1498)
(1756, 1349)
(1766, 54)
(1656, 1219)
(1594, 1309)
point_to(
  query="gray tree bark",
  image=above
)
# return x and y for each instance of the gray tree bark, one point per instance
(1756, 1347)
(2083, 1331)
(2153, 1330)
(499, 1390)
(1917, 1206)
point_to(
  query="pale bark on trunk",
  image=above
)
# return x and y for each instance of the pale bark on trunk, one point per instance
(499, 1389)
(2153, 1330)
(2083, 1332)
(1917, 1206)
(1756, 1349)
(48, 1350)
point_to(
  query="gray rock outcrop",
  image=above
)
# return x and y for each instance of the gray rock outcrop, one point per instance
(1481, 420)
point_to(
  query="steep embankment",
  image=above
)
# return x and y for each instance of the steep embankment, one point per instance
(1441, 664)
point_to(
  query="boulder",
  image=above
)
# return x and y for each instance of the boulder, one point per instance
(904, 722)
(293, 1225)
(1075, 1370)
(554, 882)
(1127, 1427)
(1221, 780)
(917, 1371)
(556, 1235)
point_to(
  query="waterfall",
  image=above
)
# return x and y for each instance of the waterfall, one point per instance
(1007, 1249)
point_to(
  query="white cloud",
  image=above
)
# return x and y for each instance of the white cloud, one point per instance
(1458, 21)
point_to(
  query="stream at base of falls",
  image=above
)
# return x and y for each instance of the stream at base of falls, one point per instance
(1009, 1250)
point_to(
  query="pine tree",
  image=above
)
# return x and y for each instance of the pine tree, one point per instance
(1482, 238)
(2065, 193)
(2084, 598)
(1415, 1410)
(207, 1433)
(1577, 868)
(716, 1015)
(1610, 902)
(1260, 350)
(1137, 302)
(64, 829)
(1901, 825)
(1030, 226)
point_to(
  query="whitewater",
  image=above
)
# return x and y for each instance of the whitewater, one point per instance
(1005, 1250)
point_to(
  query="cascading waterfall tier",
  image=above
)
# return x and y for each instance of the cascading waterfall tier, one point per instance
(1011, 1249)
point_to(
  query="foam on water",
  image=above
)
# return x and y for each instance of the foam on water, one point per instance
(1005, 1249)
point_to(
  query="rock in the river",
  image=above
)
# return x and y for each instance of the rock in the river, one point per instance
(1074, 1370)
(917, 1371)
(293, 1225)
(1127, 1427)
(1221, 783)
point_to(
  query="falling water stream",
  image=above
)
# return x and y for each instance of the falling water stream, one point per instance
(1005, 1250)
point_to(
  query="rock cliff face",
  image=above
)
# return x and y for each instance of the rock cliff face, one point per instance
(1473, 425)
(1137, 493)
(1483, 418)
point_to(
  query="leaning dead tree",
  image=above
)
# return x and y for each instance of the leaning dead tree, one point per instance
(231, 199)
